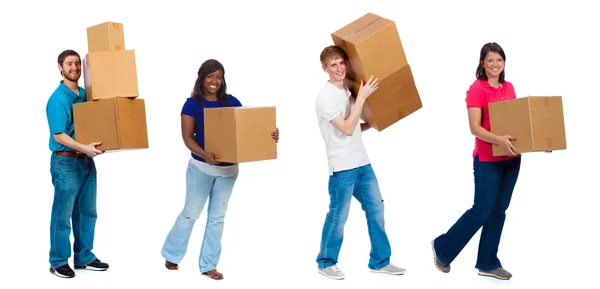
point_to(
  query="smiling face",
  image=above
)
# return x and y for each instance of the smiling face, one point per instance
(336, 68)
(333, 60)
(213, 82)
(493, 64)
(71, 68)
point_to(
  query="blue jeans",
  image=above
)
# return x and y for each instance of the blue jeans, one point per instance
(199, 188)
(74, 181)
(361, 183)
(494, 184)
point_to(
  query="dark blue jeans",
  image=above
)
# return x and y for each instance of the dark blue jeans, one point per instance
(494, 184)
(74, 181)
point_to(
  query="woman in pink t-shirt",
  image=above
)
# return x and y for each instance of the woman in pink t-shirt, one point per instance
(495, 176)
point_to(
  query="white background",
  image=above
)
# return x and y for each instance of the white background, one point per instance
(273, 226)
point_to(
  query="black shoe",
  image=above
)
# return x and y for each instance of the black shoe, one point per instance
(63, 271)
(96, 265)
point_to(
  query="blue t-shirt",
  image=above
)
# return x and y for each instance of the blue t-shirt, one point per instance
(59, 111)
(196, 110)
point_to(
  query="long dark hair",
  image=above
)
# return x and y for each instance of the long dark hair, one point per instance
(208, 67)
(489, 47)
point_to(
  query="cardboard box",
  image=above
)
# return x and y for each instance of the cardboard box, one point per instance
(240, 134)
(374, 49)
(396, 98)
(109, 74)
(107, 36)
(119, 123)
(537, 123)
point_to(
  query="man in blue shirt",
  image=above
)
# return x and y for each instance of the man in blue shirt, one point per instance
(73, 175)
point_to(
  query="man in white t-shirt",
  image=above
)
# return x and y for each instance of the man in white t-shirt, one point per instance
(350, 171)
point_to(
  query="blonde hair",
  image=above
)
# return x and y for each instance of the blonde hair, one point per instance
(332, 52)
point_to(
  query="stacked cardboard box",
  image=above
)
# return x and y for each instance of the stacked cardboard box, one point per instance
(113, 113)
(373, 46)
(240, 134)
(537, 123)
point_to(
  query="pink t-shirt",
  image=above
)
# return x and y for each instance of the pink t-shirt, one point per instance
(480, 94)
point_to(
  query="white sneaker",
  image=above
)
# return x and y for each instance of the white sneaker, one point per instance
(332, 272)
(390, 269)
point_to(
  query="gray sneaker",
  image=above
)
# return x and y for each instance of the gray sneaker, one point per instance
(332, 272)
(439, 264)
(390, 269)
(499, 273)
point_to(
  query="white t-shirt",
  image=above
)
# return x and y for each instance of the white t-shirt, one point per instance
(217, 171)
(343, 152)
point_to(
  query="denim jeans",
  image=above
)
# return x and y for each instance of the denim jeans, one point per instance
(494, 184)
(74, 181)
(361, 183)
(200, 187)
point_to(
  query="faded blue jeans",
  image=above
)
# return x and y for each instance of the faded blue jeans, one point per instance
(74, 181)
(494, 184)
(361, 183)
(200, 187)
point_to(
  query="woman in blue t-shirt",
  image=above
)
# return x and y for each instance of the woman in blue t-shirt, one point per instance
(206, 177)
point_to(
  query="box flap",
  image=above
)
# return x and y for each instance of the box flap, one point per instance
(547, 123)
(511, 117)
(362, 27)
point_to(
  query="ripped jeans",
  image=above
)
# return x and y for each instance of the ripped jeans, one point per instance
(200, 187)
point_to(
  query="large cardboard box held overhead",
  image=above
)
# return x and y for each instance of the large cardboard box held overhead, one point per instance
(373, 46)
(107, 36)
(119, 123)
(109, 74)
(537, 123)
(240, 134)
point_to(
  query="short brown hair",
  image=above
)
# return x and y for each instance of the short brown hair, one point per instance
(63, 55)
(332, 52)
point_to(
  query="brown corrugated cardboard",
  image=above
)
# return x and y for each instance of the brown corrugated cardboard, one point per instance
(396, 98)
(109, 74)
(107, 36)
(240, 134)
(119, 123)
(373, 47)
(537, 123)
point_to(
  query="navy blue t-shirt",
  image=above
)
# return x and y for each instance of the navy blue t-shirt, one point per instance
(196, 110)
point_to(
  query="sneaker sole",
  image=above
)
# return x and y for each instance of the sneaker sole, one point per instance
(492, 275)
(60, 275)
(331, 277)
(90, 268)
(435, 259)
(388, 272)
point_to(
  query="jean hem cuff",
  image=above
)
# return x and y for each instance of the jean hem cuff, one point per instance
(59, 265)
(489, 268)
(206, 270)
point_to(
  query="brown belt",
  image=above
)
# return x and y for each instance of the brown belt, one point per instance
(71, 154)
